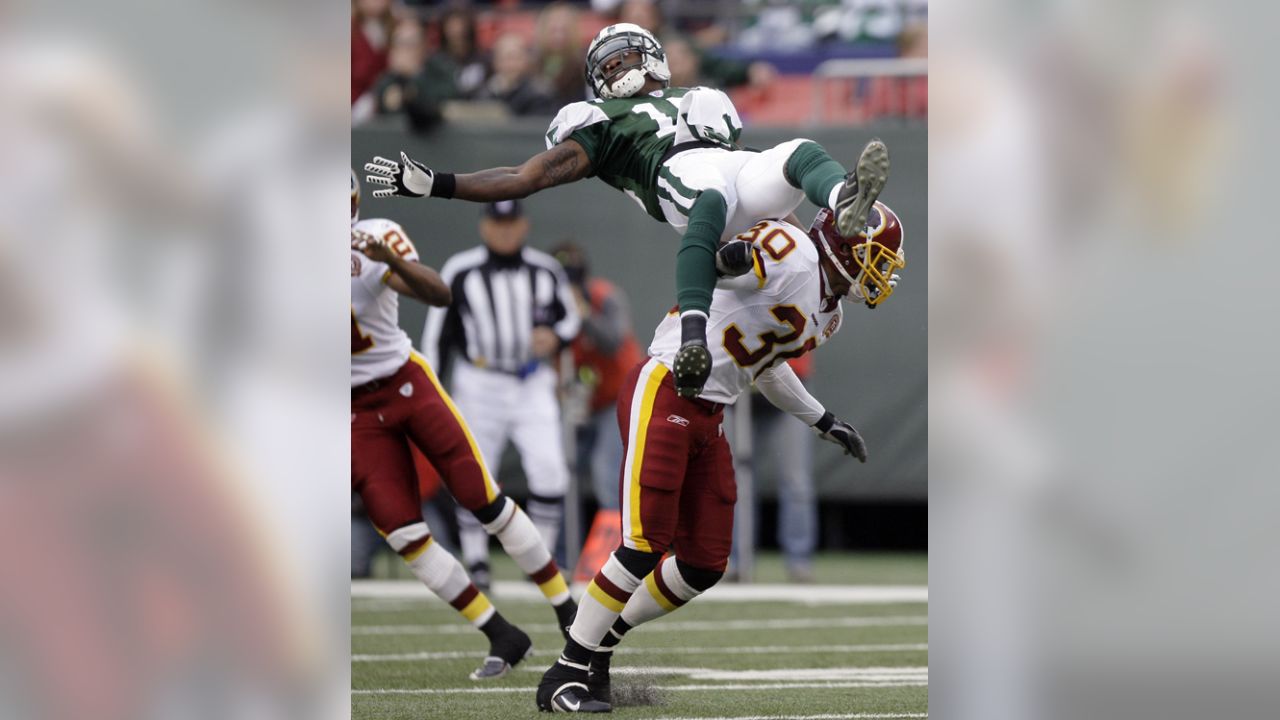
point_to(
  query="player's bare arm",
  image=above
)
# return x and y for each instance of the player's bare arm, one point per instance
(416, 280)
(564, 163)
(408, 277)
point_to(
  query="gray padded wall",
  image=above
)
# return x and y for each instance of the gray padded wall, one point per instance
(873, 373)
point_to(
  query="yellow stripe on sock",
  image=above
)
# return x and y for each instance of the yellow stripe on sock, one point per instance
(603, 597)
(476, 607)
(658, 597)
(418, 553)
(554, 587)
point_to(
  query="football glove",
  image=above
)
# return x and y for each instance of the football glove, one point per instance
(734, 258)
(373, 247)
(410, 179)
(835, 430)
(692, 365)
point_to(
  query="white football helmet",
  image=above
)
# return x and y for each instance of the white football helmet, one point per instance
(626, 79)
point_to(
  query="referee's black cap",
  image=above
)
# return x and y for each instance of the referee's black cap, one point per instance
(503, 210)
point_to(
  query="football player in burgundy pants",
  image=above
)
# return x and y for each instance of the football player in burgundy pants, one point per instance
(677, 483)
(396, 399)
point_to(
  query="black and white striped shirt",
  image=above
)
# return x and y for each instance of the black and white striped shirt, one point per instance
(497, 301)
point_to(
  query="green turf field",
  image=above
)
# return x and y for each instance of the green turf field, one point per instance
(806, 657)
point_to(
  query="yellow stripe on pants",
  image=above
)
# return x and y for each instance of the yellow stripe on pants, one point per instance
(490, 487)
(639, 434)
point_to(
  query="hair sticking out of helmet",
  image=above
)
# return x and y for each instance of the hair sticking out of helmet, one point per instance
(620, 58)
(355, 198)
(867, 260)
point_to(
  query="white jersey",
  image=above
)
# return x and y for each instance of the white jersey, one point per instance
(378, 346)
(776, 312)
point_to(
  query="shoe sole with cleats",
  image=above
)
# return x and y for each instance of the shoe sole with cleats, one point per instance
(861, 189)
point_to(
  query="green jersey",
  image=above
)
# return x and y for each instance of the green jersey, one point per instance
(626, 138)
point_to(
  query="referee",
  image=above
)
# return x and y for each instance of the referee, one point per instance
(512, 312)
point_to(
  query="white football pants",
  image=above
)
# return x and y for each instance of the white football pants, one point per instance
(754, 185)
(499, 407)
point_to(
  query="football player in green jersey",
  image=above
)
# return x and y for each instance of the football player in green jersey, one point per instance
(675, 152)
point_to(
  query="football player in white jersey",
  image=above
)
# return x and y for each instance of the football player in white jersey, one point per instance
(678, 488)
(396, 400)
(675, 152)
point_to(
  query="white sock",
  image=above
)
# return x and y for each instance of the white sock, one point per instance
(522, 541)
(546, 518)
(475, 541)
(657, 599)
(440, 572)
(835, 192)
(608, 593)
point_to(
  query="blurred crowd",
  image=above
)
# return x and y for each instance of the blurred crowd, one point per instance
(432, 62)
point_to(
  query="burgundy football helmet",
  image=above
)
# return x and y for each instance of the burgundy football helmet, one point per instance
(867, 260)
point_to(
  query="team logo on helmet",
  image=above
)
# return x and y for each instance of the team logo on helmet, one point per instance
(638, 54)
(867, 260)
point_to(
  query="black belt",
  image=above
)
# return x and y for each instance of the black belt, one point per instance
(691, 145)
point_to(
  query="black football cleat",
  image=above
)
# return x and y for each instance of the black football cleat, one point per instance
(565, 614)
(598, 677)
(565, 690)
(691, 368)
(861, 188)
(505, 652)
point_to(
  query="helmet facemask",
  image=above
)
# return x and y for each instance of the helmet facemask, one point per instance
(878, 264)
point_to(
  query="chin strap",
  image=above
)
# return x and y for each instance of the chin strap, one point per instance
(854, 285)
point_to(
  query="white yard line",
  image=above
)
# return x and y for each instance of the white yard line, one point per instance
(677, 688)
(832, 716)
(673, 626)
(748, 650)
(824, 674)
(517, 590)
(828, 716)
